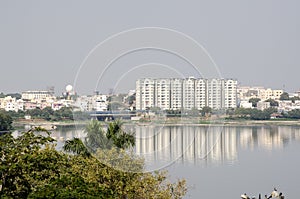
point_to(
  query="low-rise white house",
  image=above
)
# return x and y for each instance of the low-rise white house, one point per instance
(263, 105)
(246, 104)
(288, 105)
(9, 103)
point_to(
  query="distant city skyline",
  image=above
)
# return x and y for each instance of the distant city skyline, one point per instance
(44, 43)
(59, 91)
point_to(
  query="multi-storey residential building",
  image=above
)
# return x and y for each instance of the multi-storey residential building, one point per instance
(277, 94)
(200, 93)
(162, 93)
(215, 95)
(188, 94)
(36, 95)
(185, 94)
(230, 95)
(176, 94)
(145, 93)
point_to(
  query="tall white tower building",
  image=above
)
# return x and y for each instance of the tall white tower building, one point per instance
(185, 94)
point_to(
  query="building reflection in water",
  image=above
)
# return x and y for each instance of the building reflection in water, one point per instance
(189, 144)
(162, 145)
(207, 145)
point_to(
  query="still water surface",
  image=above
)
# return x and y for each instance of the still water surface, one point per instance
(220, 162)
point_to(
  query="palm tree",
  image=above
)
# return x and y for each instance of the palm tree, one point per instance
(76, 146)
(120, 138)
(97, 138)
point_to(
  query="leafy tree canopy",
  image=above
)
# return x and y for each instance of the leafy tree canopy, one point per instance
(284, 96)
(272, 102)
(5, 121)
(254, 101)
(205, 110)
(30, 167)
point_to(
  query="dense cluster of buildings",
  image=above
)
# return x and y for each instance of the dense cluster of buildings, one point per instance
(191, 93)
(32, 100)
(246, 92)
(42, 99)
(162, 93)
(185, 94)
(9, 103)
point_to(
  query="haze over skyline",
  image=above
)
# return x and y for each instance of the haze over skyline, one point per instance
(44, 43)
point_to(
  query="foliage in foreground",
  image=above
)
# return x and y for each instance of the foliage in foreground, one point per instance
(5, 121)
(30, 167)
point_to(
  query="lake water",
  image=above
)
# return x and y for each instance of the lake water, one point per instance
(220, 162)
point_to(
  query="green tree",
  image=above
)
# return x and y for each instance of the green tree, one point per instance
(16, 115)
(65, 113)
(205, 110)
(254, 101)
(294, 114)
(284, 96)
(272, 102)
(35, 113)
(47, 113)
(5, 121)
(131, 99)
(96, 137)
(120, 138)
(30, 167)
(20, 163)
(258, 115)
(262, 115)
(254, 114)
(15, 95)
(76, 146)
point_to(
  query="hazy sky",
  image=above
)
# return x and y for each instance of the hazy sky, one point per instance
(43, 43)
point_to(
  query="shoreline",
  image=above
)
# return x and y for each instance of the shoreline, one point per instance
(169, 123)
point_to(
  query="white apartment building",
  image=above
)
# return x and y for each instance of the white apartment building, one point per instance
(176, 94)
(230, 96)
(92, 103)
(200, 93)
(185, 94)
(99, 103)
(188, 93)
(215, 95)
(36, 95)
(145, 93)
(162, 93)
